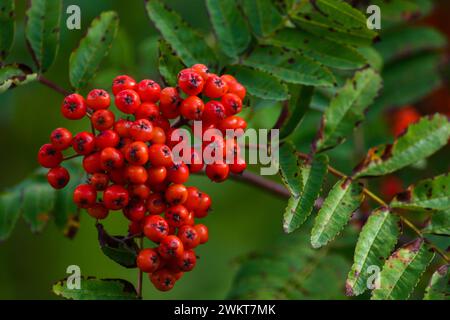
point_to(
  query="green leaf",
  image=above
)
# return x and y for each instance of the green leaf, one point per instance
(187, 43)
(342, 200)
(290, 66)
(347, 108)
(402, 271)
(117, 248)
(85, 60)
(38, 202)
(259, 84)
(13, 75)
(376, 240)
(420, 141)
(439, 224)
(372, 57)
(327, 52)
(169, 64)
(429, 194)
(300, 99)
(96, 289)
(7, 27)
(230, 26)
(42, 31)
(290, 171)
(263, 17)
(438, 288)
(402, 10)
(300, 206)
(409, 40)
(9, 213)
(337, 21)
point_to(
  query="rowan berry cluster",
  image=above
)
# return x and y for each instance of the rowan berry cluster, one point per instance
(131, 167)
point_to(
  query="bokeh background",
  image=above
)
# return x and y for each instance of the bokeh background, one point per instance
(244, 219)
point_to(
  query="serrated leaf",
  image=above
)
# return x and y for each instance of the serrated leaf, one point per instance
(42, 31)
(96, 289)
(7, 27)
(263, 17)
(402, 271)
(439, 285)
(342, 200)
(169, 64)
(290, 66)
(189, 45)
(299, 101)
(290, 171)
(408, 41)
(420, 141)
(429, 194)
(38, 202)
(335, 20)
(327, 52)
(402, 10)
(259, 84)
(229, 25)
(85, 60)
(439, 224)
(300, 207)
(376, 240)
(13, 75)
(117, 248)
(347, 108)
(372, 57)
(9, 213)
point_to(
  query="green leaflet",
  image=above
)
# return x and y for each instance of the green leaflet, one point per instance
(7, 27)
(439, 224)
(169, 64)
(290, 171)
(96, 289)
(402, 271)
(327, 52)
(230, 26)
(187, 43)
(263, 17)
(347, 108)
(300, 207)
(42, 31)
(342, 200)
(13, 75)
(85, 60)
(402, 10)
(9, 213)
(429, 194)
(260, 84)
(420, 141)
(376, 240)
(38, 202)
(439, 286)
(290, 66)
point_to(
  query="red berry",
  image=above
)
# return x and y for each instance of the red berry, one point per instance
(196, 164)
(122, 127)
(147, 110)
(127, 101)
(92, 163)
(137, 153)
(135, 227)
(160, 155)
(176, 216)
(232, 103)
(228, 79)
(202, 231)
(190, 82)
(139, 192)
(238, 89)
(215, 87)
(142, 130)
(98, 99)
(156, 175)
(99, 181)
(115, 197)
(61, 138)
(102, 119)
(402, 118)
(187, 261)
(83, 143)
(163, 279)
(73, 107)
(98, 211)
(213, 112)
(106, 139)
(176, 194)
(84, 196)
(217, 172)
(49, 157)
(201, 69)
(170, 247)
(155, 228)
(111, 158)
(169, 102)
(156, 204)
(148, 90)
(136, 174)
(148, 260)
(189, 236)
(233, 123)
(178, 173)
(159, 136)
(192, 108)
(135, 211)
(161, 122)
(117, 176)
(123, 82)
(193, 198)
(58, 177)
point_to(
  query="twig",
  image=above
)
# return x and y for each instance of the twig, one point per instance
(72, 156)
(283, 115)
(139, 283)
(52, 85)
(179, 123)
(262, 183)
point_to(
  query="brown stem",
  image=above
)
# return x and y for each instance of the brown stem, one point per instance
(283, 115)
(140, 274)
(179, 123)
(72, 156)
(52, 85)
(262, 183)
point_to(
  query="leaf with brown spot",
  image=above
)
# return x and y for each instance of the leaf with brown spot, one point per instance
(439, 286)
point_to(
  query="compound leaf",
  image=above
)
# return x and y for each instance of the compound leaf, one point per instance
(263, 17)
(439, 286)
(169, 64)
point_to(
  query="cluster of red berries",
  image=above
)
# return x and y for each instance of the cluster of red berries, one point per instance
(130, 162)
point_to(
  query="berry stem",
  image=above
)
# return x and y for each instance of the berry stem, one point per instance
(52, 85)
(140, 274)
(262, 183)
(72, 156)
(283, 115)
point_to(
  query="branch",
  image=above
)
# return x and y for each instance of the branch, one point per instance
(283, 115)
(262, 183)
(52, 85)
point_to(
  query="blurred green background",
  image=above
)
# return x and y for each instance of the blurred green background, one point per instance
(243, 220)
